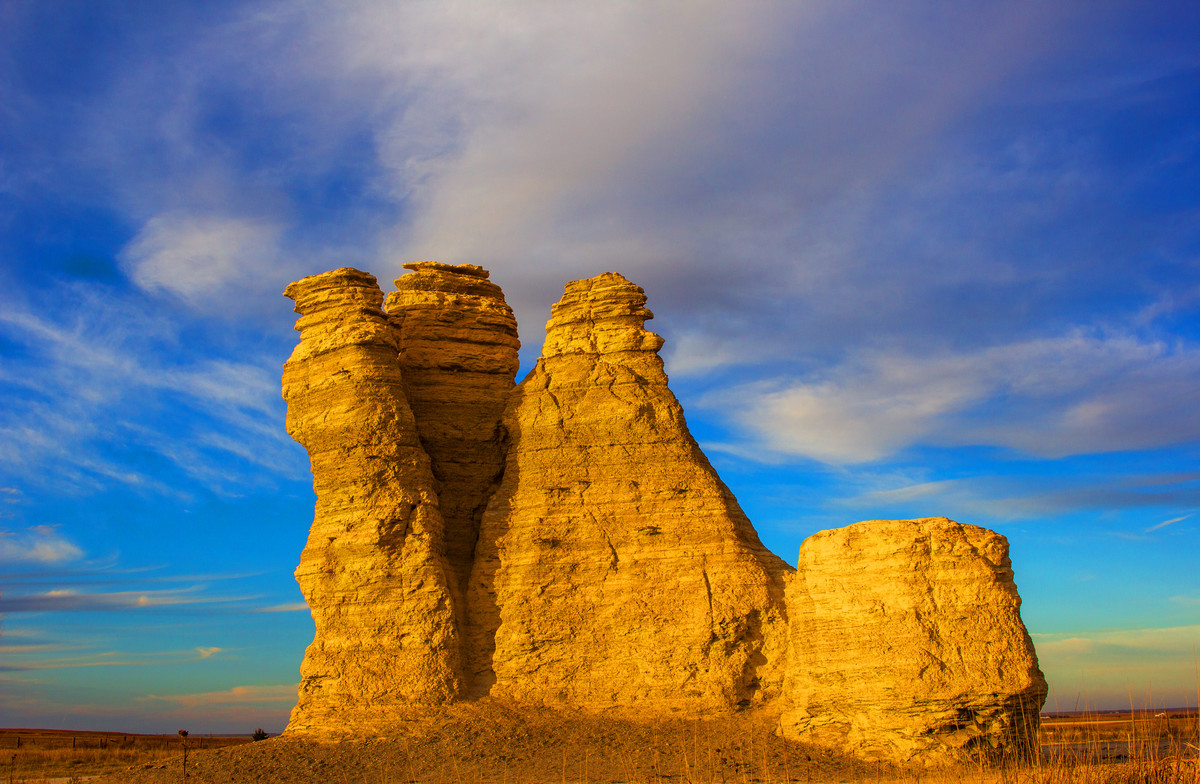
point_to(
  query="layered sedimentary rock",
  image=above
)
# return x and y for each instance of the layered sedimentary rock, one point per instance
(458, 357)
(614, 567)
(907, 643)
(374, 571)
(565, 541)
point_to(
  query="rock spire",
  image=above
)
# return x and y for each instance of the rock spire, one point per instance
(458, 345)
(374, 571)
(614, 567)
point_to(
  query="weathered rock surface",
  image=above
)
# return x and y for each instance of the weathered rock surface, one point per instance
(374, 570)
(458, 358)
(907, 643)
(566, 542)
(614, 568)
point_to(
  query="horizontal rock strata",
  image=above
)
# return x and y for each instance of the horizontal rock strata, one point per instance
(614, 568)
(564, 541)
(373, 571)
(458, 345)
(907, 643)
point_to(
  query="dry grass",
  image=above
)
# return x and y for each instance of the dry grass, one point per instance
(31, 755)
(520, 747)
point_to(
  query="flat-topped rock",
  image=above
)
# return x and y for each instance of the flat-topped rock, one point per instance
(907, 644)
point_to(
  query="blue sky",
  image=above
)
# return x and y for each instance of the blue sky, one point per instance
(909, 260)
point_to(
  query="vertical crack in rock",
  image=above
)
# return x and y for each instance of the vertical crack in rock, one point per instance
(614, 568)
(458, 355)
(907, 643)
(374, 571)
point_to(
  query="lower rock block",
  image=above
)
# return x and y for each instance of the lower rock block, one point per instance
(906, 643)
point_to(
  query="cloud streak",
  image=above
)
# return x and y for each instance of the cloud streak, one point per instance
(71, 600)
(238, 695)
(114, 659)
(41, 544)
(1110, 668)
(1051, 398)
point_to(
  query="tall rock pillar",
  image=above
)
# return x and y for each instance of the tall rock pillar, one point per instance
(374, 570)
(458, 356)
(614, 568)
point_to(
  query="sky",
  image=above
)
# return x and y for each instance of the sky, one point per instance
(909, 259)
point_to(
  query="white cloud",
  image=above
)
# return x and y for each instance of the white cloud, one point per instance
(290, 607)
(1106, 669)
(200, 257)
(40, 544)
(1165, 523)
(72, 600)
(238, 695)
(1050, 397)
(93, 375)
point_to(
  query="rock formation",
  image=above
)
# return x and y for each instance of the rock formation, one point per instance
(374, 570)
(458, 359)
(614, 568)
(565, 541)
(907, 643)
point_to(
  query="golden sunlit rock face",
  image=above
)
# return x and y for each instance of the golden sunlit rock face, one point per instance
(374, 571)
(906, 642)
(565, 542)
(458, 344)
(614, 568)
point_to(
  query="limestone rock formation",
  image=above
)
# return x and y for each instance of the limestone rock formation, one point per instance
(458, 357)
(565, 541)
(614, 568)
(374, 570)
(907, 643)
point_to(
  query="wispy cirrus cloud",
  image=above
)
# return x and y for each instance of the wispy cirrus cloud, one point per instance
(289, 607)
(1030, 495)
(111, 659)
(1112, 667)
(1075, 394)
(201, 257)
(1165, 523)
(238, 695)
(42, 544)
(110, 372)
(73, 600)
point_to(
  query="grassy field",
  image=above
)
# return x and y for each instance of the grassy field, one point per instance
(30, 754)
(1131, 746)
(1102, 748)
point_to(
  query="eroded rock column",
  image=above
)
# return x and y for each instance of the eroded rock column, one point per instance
(614, 568)
(374, 571)
(907, 643)
(458, 357)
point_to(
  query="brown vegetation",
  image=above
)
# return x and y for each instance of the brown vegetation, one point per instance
(489, 742)
(32, 755)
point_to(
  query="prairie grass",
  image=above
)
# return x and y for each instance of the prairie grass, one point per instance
(1137, 748)
(32, 755)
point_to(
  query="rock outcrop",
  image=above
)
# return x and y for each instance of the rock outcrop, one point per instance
(907, 643)
(614, 567)
(374, 571)
(458, 359)
(564, 541)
